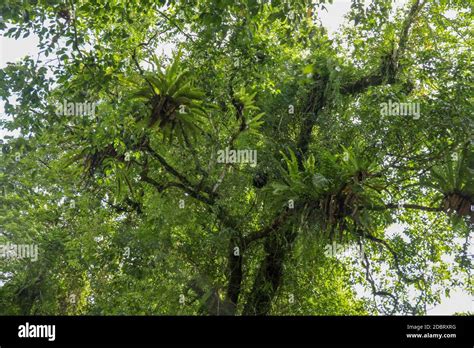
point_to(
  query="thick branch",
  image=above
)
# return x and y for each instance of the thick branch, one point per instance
(392, 65)
(405, 206)
(312, 109)
(275, 225)
(278, 244)
(235, 271)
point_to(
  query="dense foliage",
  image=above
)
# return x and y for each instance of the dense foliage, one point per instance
(122, 118)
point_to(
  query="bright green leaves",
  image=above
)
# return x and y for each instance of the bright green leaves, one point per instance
(246, 103)
(353, 169)
(170, 203)
(354, 161)
(306, 185)
(246, 100)
(455, 181)
(455, 175)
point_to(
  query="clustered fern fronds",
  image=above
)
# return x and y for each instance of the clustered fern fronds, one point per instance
(455, 181)
(331, 199)
(177, 107)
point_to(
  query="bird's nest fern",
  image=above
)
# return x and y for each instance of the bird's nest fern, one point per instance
(176, 105)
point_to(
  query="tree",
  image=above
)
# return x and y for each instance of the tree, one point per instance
(115, 175)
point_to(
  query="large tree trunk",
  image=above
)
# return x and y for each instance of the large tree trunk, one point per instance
(268, 278)
(279, 243)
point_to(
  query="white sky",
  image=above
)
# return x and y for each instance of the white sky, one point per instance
(13, 50)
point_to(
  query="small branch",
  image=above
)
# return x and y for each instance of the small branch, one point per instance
(167, 166)
(184, 184)
(74, 27)
(242, 128)
(405, 206)
(370, 279)
(142, 73)
(365, 234)
(175, 25)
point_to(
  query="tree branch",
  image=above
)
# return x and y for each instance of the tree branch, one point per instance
(275, 225)
(365, 234)
(405, 206)
(392, 68)
(184, 184)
